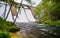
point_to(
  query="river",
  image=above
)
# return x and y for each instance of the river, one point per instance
(35, 30)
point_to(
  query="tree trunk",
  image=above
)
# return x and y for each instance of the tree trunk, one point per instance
(14, 12)
(5, 11)
(8, 12)
(25, 14)
(18, 12)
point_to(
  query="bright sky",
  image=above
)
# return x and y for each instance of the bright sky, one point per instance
(24, 2)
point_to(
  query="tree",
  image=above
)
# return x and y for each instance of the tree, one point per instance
(43, 9)
(55, 10)
(49, 12)
(14, 5)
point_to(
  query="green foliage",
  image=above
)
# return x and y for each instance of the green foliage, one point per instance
(45, 20)
(43, 8)
(29, 0)
(4, 34)
(8, 26)
(13, 29)
(48, 11)
(37, 10)
(17, 5)
(54, 23)
(11, 2)
(55, 9)
(3, 0)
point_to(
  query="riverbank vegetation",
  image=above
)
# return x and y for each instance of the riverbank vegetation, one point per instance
(7, 27)
(48, 12)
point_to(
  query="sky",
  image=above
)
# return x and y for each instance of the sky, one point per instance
(24, 2)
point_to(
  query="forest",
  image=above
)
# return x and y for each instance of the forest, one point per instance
(47, 12)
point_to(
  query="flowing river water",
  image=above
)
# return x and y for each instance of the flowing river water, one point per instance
(34, 30)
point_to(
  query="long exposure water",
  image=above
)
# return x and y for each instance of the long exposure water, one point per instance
(34, 30)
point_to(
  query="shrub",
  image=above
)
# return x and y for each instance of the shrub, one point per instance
(13, 29)
(4, 34)
(54, 23)
(8, 26)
